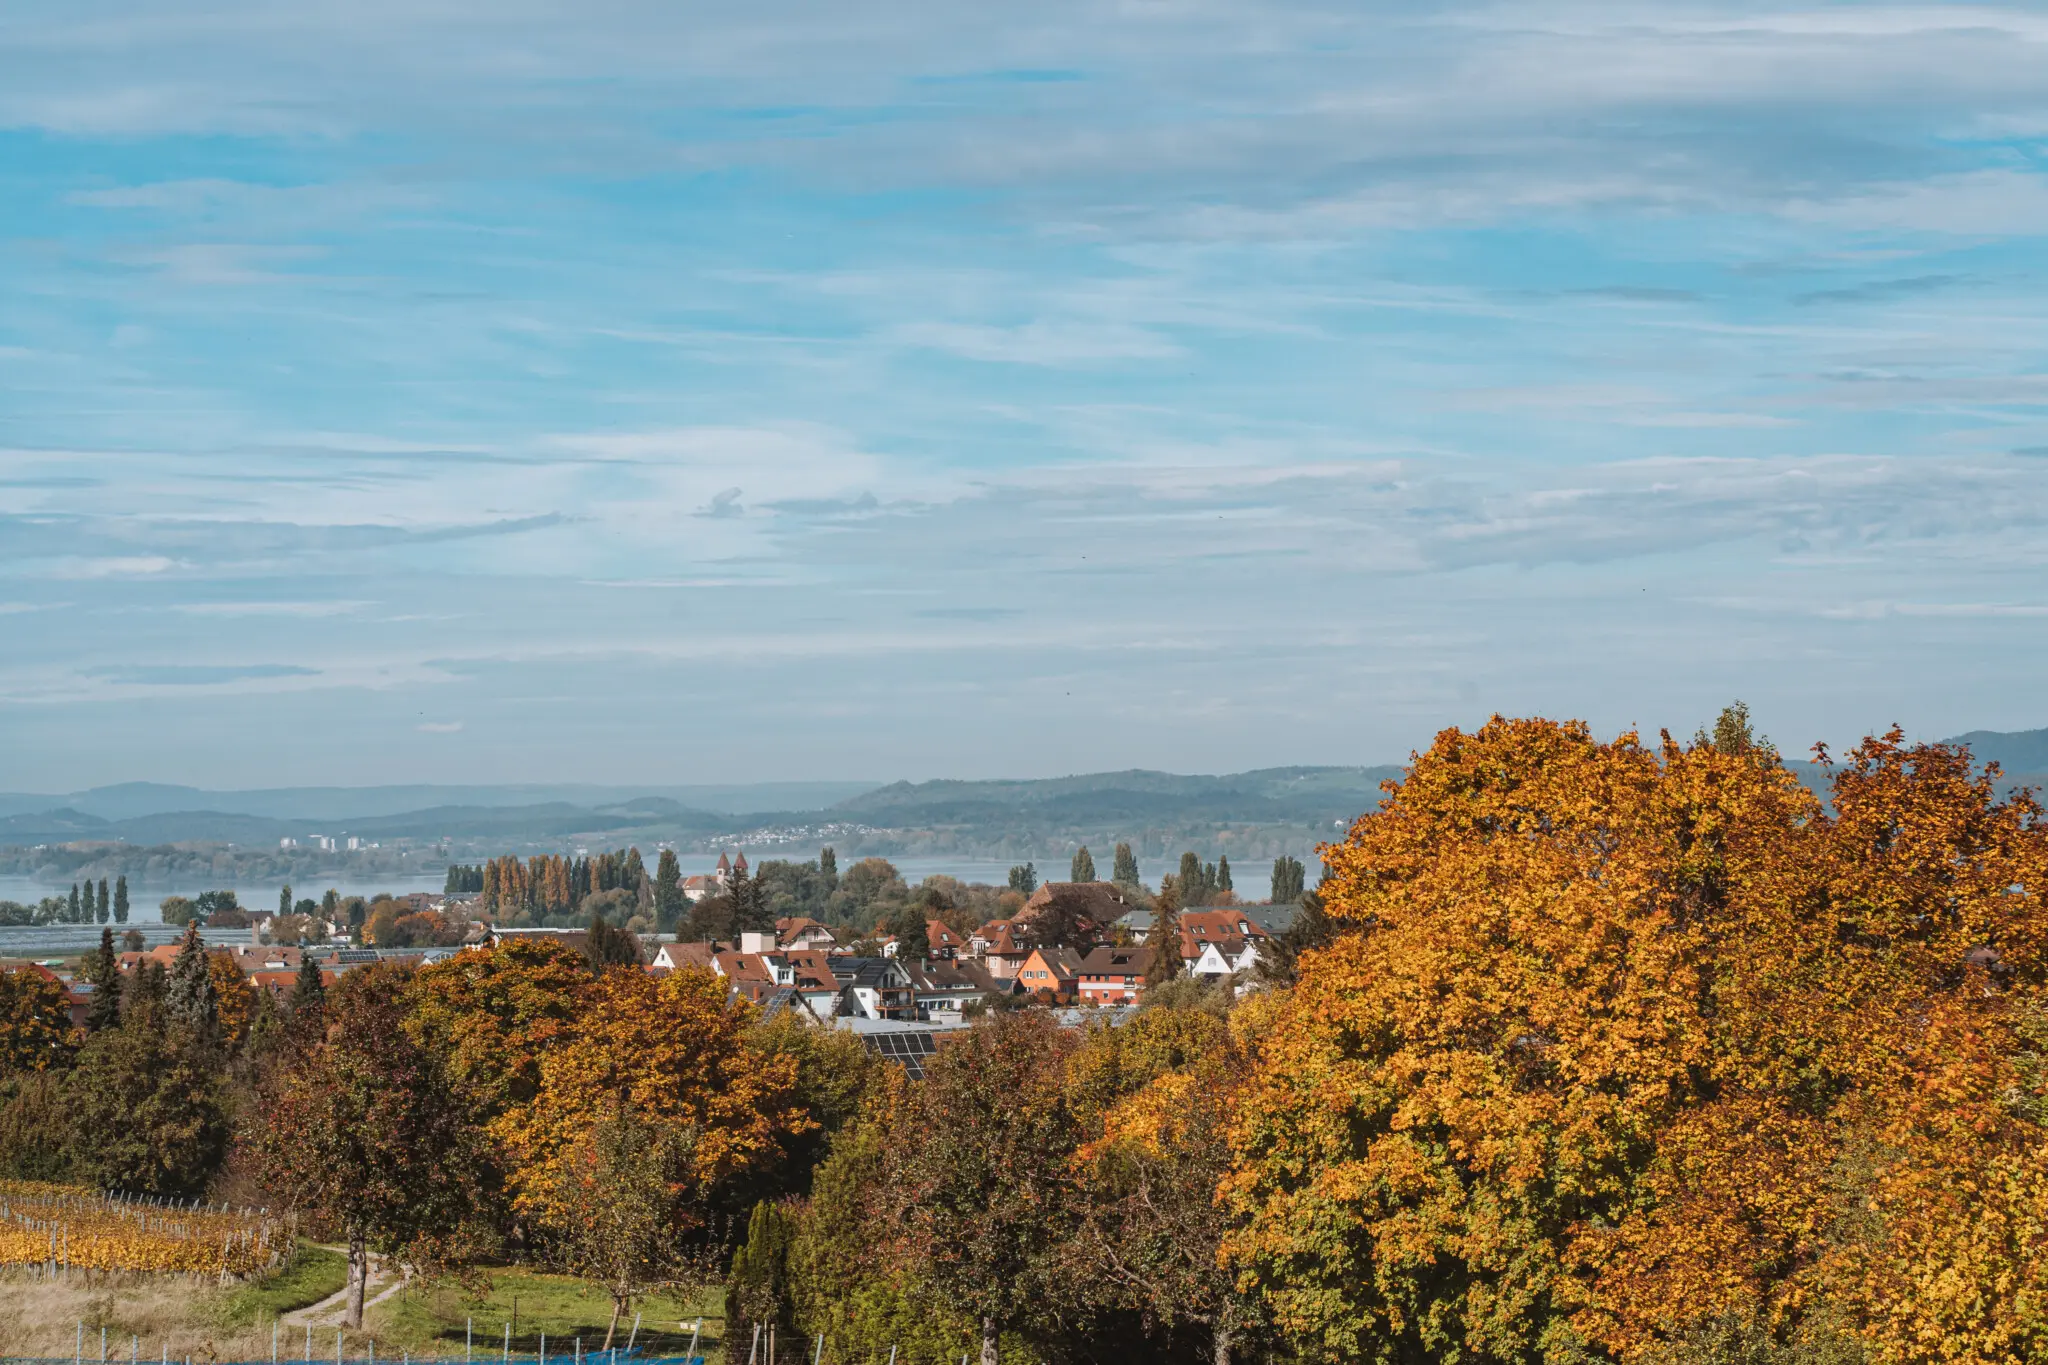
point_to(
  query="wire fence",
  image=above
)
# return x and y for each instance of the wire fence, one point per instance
(99, 1348)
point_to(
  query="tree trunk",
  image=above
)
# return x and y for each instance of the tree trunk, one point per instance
(1224, 1339)
(988, 1341)
(358, 1278)
(612, 1330)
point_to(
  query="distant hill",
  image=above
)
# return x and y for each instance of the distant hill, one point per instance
(2018, 752)
(1247, 815)
(331, 805)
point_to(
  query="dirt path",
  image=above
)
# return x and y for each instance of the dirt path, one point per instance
(329, 1310)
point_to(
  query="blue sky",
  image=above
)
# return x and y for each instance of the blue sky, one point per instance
(706, 392)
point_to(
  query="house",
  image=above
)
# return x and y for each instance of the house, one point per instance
(800, 931)
(1001, 945)
(280, 985)
(1092, 905)
(1113, 976)
(673, 957)
(942, 987)
(942, 942)
(575, 940)
(697, 887)
(874, 988)
(1220, 942)
(1050, 969)
(748, 975)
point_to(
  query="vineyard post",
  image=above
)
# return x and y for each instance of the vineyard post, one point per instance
(634, 1335)
(78, 1351)
(695, 1328)
(468, 1339)
(508, 1343)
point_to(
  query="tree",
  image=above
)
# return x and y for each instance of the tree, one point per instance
(1126, 873)
(234, 1000)
(1193, 889)
(189, 997)
(828, 867)
(1164, 938)
(177, 910)
(612, 1214)
(750, 910)
(676, 1052)
(1223, 874)
(1083, 869)
(74, 915)
(103, 911)
(1157, 1099)
(1622, 1042)
(105, 1010)
(35, 1021)
(284, 899)
(606, 947)
(976, 1177)
(147, 1111)
(669, 901)
(1289, 876)
(911, 928)
(367, 1133)
(121, 899)
(1024, 878)
(759, 1294)
(309, 1002)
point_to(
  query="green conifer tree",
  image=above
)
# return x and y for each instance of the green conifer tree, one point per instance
(309, 1000)
(1223, 874)
(104, 973)
(104, 910)
(669, 903)
(1189, 879)
(1083, 869)
(189, 996)
(121, 899)
(1024, 878)
(73, 915)
(1126, 873)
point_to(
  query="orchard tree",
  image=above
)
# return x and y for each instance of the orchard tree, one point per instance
(147, 1110)
(976, 1180)
(616, 1211)
(367, 1132)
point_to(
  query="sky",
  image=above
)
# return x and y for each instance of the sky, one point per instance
(710, 392)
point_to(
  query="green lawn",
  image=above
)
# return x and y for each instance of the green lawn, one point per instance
(430, 1320)
(309, 1276)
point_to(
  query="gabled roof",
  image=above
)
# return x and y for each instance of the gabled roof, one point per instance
(1108, 961)
(1100, 902)
(937, 935)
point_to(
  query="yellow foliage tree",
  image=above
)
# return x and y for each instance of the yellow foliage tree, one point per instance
(673, 1053)
(1633, 1039)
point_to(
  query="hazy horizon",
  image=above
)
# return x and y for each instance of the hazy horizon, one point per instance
(723, 394)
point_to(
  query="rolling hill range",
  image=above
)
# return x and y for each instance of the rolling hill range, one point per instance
(1250, 816)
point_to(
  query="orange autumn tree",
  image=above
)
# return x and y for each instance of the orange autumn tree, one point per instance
(1635, 1041)
(671, 1055)
(1875, 1150)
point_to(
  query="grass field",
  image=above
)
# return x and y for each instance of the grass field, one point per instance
(312, 1273)
(431, 1319)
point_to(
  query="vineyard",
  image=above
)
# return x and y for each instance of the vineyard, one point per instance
(56, 1228)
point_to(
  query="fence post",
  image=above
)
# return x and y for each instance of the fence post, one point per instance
(634, 1335)
(468, 1338)
(508, 1343)
(78, 1351)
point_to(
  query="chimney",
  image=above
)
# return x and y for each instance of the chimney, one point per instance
(752, 942)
